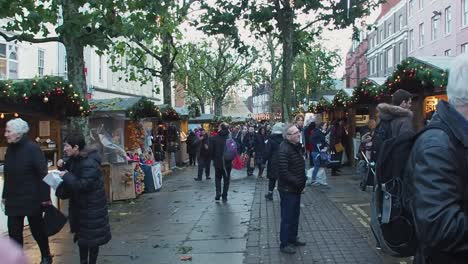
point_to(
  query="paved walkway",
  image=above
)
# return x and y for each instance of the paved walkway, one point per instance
(183, 220)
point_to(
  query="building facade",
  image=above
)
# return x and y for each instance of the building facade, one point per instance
(388, 41)
(261, 102)
(438, 27)
(356, 65)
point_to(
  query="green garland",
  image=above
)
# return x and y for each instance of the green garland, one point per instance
(54, 95)
(169, 114)
(414, 70)
(367, 91)
(342, 99)
(144, 109)
(221, 119)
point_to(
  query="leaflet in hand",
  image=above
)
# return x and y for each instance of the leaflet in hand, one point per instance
(53, 179)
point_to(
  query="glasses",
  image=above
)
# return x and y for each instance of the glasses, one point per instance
(295, 133)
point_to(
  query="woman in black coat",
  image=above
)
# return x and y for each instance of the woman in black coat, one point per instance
(24, 193)
(260, 143)
(83, 185)
(271, 155)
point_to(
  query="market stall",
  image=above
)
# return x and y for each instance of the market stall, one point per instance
(45, 103)
(123, 129)
(426, 78)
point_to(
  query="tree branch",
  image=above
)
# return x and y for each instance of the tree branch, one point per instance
(28, 38)
(310, 24)
(154, 55)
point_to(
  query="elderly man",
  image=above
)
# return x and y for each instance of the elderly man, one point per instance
(291, 182)
(438, 177)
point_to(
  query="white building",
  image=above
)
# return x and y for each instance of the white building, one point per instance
(24, 60)
(261, 102)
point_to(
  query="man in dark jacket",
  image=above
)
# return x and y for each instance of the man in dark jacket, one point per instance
(249, 149)
(24, 193)
(291, 183)
(271, 156)
(398, 113)
(438, 177)
(222, 167)
(204, 158)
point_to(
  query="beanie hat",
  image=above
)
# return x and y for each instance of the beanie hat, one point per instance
(277, 129)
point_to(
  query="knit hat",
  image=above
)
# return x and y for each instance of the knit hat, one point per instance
(278, 129)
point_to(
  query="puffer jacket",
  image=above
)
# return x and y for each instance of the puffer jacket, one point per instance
(271, 155)
(437, 189)
(217, 146)
(291, 168)
(83, 184)
(401, 118)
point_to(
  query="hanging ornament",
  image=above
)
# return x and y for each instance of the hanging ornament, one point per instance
(16, 115)
(46, 99)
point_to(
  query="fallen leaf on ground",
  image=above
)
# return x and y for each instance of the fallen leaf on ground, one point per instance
(185, 258)
(122, 214)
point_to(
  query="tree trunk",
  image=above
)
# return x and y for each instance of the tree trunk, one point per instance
(287, 29)
(166, 69)
(202, 107)
(218, 107)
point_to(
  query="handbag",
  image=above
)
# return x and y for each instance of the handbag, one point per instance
(54, 220)
(237, 163)
(339, 147)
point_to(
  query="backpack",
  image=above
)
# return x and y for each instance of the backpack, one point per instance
(382, 132)
(391, 219)
(230, 149)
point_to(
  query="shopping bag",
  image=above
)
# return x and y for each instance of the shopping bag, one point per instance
(309, 175)
(339, 147)
(322, 176)
(54, 220)
(237, 163)
(252, 162)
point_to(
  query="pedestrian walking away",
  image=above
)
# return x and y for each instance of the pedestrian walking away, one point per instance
(249, 149)
(193, 144)
(291, 183)
(271, 157)
(83, 185)
(24, 193)
(222, 166)
(204, 158)
(260, 142)
(318, 145)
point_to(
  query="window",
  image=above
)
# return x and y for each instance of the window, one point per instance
(40, 62)
(13, 64)
(411, 40)
(421, 4)
(400, 22)
(448, 52)
(463, 47)
(390, 58)
(381, 62)
(421, 34)
(401, 51)
(465, 12)
(65, 64)
(3, 62)
(100, 68)
(382, 35)
(435, 26)
(410, 7)
(448, 20)
(389, 28)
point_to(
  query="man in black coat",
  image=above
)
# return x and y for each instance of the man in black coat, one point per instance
(438, 176)
(24, 193)
(291, 183)
(204, 157)
(222, 167)
(83, 184)
(398, 113)
(271, 156)
(249, 149)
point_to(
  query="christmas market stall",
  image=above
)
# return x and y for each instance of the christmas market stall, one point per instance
(426, 79)
(182, 155)
(123, 128)
(46, 104)
(167, 138)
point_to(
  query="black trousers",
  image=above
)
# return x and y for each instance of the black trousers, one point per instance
(37, 226)
(337, 156)
(271, 184)
(192, 158)
(225, 175)
(203, 165)
(88, 255)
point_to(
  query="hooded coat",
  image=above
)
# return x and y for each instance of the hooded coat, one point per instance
(25, 167)
(271, 155)
(83, 184)
(438, 189)
(401, 118)
(217, 145)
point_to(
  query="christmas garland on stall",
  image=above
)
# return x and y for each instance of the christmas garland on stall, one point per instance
(312, 107)
(194, 110)
(322, 106)
(144, 109)
(170, 114)
(342, 100)
(222, 119)
(413, 70)
(367, 91)
(51, 93)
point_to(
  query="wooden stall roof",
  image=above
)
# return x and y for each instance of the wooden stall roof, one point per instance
(113, 105)
(438, 62)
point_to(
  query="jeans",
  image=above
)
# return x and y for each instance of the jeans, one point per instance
(225, 175)
(88, 255)
(290, 210)
(203, 164)
(37, 226)
(316, 159)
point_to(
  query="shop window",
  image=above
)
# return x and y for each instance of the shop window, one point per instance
(40, 62)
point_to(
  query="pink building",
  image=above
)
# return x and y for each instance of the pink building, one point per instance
(356, 64)
(437, 27)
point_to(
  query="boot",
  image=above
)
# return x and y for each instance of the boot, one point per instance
(46, 260)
